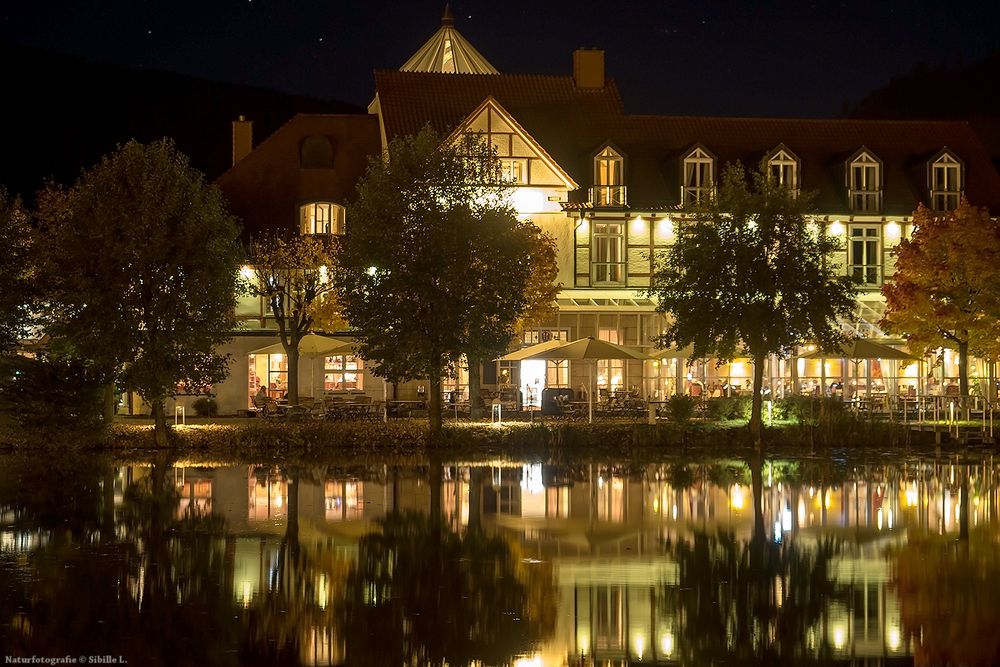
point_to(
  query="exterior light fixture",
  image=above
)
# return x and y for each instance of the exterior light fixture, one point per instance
(836, 228)
(246, 272)
(638, 225)
(665, 227)
(372, 270)
(583, 226)
(892, 231)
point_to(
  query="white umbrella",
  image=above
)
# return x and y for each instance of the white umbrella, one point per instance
(588, 348)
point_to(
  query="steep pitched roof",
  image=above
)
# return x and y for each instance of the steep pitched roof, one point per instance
(571, 123)
(447, 52)
(550, 108)
(266, 187)
(655, 146)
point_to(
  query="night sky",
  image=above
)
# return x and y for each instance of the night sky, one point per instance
(723, 58)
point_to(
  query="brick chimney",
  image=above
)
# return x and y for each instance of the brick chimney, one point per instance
(242, 138)
(588, 68)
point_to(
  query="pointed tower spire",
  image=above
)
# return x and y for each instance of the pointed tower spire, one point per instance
(448, 52)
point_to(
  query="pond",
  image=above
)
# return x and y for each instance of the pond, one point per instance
(879, 560)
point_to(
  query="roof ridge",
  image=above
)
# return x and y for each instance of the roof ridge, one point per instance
(797, 119)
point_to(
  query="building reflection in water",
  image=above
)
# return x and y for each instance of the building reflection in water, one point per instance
(661, 564)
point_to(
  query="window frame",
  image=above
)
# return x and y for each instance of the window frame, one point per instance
(701, 161)
(866, 273)
(336, 221)
(604, 264)
(609, 178)
(949, 197)
(788, 165)
(332, 371)
(863, 197)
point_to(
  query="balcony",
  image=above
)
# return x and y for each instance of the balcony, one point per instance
(608, 196)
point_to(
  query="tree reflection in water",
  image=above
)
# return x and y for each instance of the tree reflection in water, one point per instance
(150, 592)
(942, 584)
(424, 594)
(749, 602)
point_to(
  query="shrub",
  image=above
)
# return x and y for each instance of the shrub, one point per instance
(46, 391)
(205, 407)
(680, 409)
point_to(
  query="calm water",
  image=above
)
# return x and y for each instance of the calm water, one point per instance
(887, 561)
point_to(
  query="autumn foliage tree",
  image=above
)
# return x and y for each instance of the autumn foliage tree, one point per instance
(747, 271)
(293, 274)
(945, 291)
(139, 268)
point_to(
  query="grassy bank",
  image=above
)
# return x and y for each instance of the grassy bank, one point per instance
(254, 440)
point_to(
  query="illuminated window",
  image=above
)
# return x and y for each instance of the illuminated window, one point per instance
(945, 182)
(344, 372)
(608, 187)
(864, 183)
(269, 371)
(514, 170)
(783, 168)
(699, 176)
(321, 218)
(556, 373)
(608, 264)
(610, 372)
(544, 335)
(865, 259)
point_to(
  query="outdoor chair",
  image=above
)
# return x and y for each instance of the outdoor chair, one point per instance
(271, 410)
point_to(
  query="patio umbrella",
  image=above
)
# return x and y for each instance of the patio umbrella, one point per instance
(588, 348)
(860, 349)
(312, 346)
(527, 352)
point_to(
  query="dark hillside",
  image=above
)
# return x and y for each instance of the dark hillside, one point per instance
(60, 114)
(969, 92)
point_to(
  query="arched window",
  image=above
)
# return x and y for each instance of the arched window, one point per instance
(783, 168)
(699, 176)
(945, 181)
(864, 182)
(316, 152)
(321, 218)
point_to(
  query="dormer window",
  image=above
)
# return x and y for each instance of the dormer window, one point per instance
(316, 152)
(783, 168)
(699, 177)
(321, 218)
(864, 183)
(609, 167)
(945, 181)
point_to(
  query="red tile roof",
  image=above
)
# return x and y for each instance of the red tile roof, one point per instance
(265, 188)
(572, 124)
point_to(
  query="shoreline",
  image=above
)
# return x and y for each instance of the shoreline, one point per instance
(556, 441)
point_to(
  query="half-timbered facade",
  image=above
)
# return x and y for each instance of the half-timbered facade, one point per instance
(611, 187)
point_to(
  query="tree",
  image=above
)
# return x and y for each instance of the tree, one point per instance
(140, 269)
(435, 263)
(747, 270)
(514, 264)
(293, 274)
(15, 271)
(944, 292)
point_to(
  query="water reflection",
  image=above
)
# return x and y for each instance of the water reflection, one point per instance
(684, 562)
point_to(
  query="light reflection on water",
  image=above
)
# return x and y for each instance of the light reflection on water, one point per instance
(529, 564)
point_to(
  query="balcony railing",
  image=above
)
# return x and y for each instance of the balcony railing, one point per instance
(610, 196)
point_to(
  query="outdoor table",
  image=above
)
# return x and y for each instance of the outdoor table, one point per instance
(397, 408)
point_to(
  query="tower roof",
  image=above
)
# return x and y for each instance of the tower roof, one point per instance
(447, 52)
